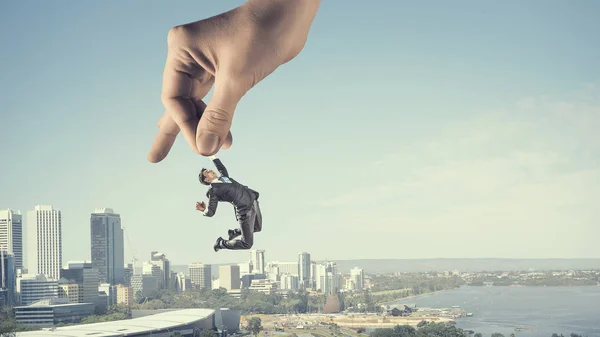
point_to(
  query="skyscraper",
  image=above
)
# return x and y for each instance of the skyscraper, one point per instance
(200, 275)
(44, 241)
(304, 270)
(160, 260)
(86, 276)
(229, 277)
(11, 235)
(358, 277)
(8, 279)
(258, 261)
(108, 250)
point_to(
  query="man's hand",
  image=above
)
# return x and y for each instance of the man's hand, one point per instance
(200, 206)
(234, 51)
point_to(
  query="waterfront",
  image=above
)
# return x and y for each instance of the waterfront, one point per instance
(541, 310)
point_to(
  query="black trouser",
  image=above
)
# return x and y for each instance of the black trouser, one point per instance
(250, 223)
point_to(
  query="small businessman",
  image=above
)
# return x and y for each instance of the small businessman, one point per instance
(223, 188)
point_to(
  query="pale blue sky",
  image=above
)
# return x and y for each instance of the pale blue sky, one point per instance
(403, 130)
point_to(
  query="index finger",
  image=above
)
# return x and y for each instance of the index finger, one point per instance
(176, 97)
(164, 139)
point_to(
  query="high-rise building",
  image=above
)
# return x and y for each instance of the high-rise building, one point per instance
(128, 273)
(108, 249)
(8, 279)
(151, 269)
(183, 283)
(160, 260)
(44, 241)
(83, 274)
(11, 235)
(358, 277)
(258, 261)
(283, 267)
(245, 268)
(289, 282)
(142, 285)
(304, 271)
(200, 275)
(229, 277)
(327, 278)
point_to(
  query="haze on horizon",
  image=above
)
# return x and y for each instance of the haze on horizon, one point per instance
(402, 130)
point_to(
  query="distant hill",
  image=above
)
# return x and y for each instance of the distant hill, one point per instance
(373, 266)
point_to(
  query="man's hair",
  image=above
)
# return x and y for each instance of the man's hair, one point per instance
(201, 177)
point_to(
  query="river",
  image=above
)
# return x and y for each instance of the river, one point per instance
(542, 310)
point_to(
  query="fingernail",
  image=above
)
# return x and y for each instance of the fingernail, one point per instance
(208, 143)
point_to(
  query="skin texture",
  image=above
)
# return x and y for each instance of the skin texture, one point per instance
(232, 51)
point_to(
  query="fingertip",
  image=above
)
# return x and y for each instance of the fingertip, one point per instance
(208, 143)
(155, 158)
(228, 142)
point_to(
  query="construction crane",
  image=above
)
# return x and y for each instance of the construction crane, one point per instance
(133, 250)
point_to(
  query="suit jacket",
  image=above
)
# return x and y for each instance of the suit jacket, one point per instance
(242, 197)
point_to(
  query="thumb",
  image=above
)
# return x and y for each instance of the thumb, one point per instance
(216, 119)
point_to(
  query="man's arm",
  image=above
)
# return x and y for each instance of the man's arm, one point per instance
(220, 167)
(211, 207)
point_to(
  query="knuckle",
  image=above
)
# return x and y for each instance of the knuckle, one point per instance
(177, 34)
(216, 118)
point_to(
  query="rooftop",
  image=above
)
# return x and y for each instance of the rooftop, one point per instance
(146, 324)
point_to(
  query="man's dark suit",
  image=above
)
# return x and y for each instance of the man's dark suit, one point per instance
(244, 201)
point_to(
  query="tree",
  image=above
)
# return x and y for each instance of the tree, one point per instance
(8, 324)
(478, 335)
(207, 333)
(421, 324)
(175, 334)
(254, 325)
(404, 331)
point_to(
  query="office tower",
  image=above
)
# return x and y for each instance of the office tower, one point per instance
(33, 288)
(84, 275)
(151, 269)
(8, 279)
(128, 273)
(142, 285)
(11, 235)
(258, 261)
(200, 275)
(289, 282)
(160, 260)
(229, 277)
(304, 271)
(358, 278)
(44, 241)
(245, 268)
(282, 267)
(108, 249)
(183, 283)
(111, 293)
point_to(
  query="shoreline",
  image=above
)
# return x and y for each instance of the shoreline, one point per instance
(400, 300)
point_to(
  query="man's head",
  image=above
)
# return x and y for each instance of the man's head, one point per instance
(206, 176)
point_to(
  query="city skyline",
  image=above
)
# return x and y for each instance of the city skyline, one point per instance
(400, 131)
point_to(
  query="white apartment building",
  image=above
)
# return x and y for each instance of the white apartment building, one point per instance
(44, 241)
(258, 261)
(11, 235)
